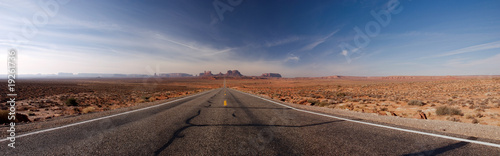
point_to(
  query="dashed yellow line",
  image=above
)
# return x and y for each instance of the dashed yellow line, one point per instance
(225, 103)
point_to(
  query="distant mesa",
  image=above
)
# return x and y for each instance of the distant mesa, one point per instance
(64, 74)
(276, 75)
(88, 75)
(206, 73)
(233, 73)
(230, 73)
(175, 75)
(237, 74)
(332, 77)
(104, 75)
(403, 77)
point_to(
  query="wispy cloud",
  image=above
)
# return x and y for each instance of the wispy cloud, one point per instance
(317, 42)
(476, 48)
(282, 41)
(65, 22)
(419, 33)
(292, 58)
(483, 63)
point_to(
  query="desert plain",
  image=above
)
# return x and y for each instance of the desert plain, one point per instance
(45, 99)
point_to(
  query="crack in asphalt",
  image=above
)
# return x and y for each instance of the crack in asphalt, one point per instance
(177, 133)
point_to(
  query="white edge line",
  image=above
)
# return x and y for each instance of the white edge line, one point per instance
(383, 126)
(105, 117)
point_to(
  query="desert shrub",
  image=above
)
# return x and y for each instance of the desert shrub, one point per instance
(453, 119)
(444, 110)
(313, 102)
(4, 116)
(471, 106)
(88, 110)
(322, 104)
(475, 121)
(415, 103)
(479, 115)
(479, 109)
(469, 117)
(317, 96)
(71, 102)
(146, 98)
(341, 94)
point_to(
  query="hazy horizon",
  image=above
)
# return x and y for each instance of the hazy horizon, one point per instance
(293, 38)
(110, 75)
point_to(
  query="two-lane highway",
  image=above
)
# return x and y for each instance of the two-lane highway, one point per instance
(228, 122)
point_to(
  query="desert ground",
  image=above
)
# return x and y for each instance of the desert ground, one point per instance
(460, 99)
(44, 99)
(468, 99)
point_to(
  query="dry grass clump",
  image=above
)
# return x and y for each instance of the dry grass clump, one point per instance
(312, 101)
(415, 103)
(323, 104)
(445, 110)
(4, 116)
(71, 102)
(88, 110)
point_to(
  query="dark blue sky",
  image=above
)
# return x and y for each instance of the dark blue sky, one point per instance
(295, 38)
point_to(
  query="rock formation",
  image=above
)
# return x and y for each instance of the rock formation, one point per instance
(233, 73)
(206, 73)
(237, 74)
(175, 75)
(276, 75)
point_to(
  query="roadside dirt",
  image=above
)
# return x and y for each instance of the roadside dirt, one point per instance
(468, 100)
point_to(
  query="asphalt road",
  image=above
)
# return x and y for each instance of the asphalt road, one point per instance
(246, 125)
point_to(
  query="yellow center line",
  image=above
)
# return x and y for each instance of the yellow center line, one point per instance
(225, 103)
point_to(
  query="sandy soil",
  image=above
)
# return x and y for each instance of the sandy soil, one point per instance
(43, 99)
(467, 99)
